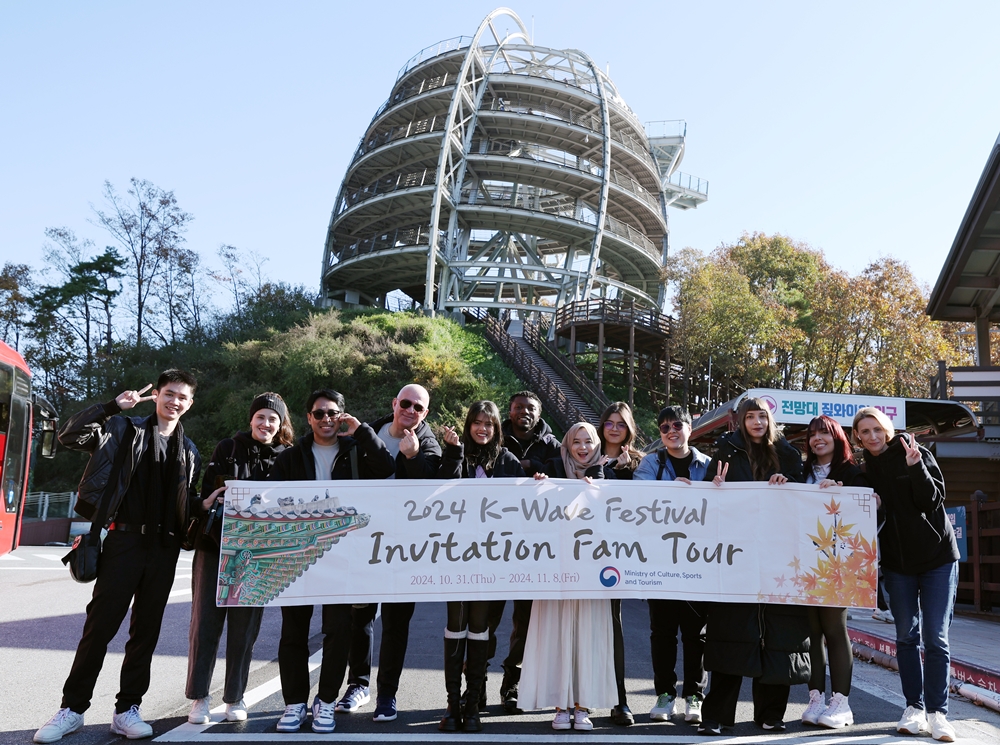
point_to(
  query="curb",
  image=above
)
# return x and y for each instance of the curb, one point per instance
(882, 650)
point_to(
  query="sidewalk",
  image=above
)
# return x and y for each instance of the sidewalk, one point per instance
(975, 654)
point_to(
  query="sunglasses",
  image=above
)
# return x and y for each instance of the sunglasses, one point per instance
(667, 426)
(320, 414)
(405, 403)
(615, 425)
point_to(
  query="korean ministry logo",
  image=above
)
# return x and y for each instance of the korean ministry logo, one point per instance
(610, 577)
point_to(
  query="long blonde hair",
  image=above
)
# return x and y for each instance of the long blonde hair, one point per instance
(575, 470)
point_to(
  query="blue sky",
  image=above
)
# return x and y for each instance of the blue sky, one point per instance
(858, 128)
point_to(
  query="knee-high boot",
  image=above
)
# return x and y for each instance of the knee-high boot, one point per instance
(454, 656)
(475, 675)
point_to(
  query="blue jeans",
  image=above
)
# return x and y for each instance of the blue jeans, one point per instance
(932, 595)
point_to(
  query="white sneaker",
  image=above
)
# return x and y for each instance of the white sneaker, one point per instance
(562, 720)
(323, 718)
(292, 719)
(838, 714)
(883, 615)
(236, 712)
(941, 728)
(692, 709)
(817, 705)
(200, 711)
(581, 720)
(131, 724)
(913, 721)
(65, 722)
(663, 709)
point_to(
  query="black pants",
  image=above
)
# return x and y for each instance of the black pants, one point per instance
(769, 701)
(207, 621)
(618, 641)
(132, 566)
(293, 652)
(518, 635)
(392, 650)
(665, 617)
(362, 644)
(831, 624)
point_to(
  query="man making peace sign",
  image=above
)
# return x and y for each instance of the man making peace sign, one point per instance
(144, 470)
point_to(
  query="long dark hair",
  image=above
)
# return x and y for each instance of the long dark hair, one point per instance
(623, 410)
(763, 455)
(841, 445)
(482, 455)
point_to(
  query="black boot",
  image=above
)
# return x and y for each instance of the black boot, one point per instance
(454, 656)
(475, 674)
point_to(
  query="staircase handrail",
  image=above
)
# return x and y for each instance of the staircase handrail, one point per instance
(556, 403)
(569, 372)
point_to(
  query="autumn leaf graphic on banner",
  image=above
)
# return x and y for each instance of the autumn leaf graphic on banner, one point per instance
(843, 572)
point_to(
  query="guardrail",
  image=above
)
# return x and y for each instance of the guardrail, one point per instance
(49, 505)
(612, 311)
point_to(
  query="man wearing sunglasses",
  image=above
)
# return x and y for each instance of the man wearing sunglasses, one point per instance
(676, 461)
(338, 447)
(418, 455)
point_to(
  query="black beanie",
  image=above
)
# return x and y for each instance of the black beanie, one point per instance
(270, 401)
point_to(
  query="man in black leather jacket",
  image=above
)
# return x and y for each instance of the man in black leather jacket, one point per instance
(147, 488)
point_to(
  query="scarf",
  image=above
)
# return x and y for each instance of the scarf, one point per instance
(576, 470)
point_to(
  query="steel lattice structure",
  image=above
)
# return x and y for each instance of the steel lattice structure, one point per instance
(504, 174)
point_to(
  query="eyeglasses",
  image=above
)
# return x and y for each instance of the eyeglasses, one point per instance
(667, 426)
(615, 425)
(320, 414)
(405, 403)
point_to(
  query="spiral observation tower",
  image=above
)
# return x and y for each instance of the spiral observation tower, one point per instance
(500, 174)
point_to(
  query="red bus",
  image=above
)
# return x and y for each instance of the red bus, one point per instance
(20, 412)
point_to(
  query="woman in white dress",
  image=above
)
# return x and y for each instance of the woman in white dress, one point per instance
(569, 652)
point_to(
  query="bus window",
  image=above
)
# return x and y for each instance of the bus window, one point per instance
(6, 388)
(12, 477)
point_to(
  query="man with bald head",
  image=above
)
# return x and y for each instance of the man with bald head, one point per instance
(418, 455)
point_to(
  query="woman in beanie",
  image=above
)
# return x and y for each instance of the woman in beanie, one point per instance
(246, 456)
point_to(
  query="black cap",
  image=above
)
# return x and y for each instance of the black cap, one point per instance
(270, 401)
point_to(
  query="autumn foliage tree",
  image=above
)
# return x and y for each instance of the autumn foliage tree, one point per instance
(771, 312)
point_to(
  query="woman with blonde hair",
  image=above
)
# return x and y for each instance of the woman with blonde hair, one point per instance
(568, 661)
(919, 558)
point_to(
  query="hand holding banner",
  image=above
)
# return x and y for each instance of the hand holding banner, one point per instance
(305, 542)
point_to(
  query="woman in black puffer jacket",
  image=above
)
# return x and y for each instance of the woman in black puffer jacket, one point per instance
(919, 557)
(477, 454)
(246, 456)
(766, 642)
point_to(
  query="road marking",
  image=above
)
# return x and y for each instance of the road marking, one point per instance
(188, 732)
(48, 557)
(195, 733)
(10, 557)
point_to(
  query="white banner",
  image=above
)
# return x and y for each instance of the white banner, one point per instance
(800, 407)
(303, 542)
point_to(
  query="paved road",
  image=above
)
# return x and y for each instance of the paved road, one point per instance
(41, 616)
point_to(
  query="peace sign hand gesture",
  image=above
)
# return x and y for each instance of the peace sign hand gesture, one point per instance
(720, 477)
(128, 399)
(912, 452)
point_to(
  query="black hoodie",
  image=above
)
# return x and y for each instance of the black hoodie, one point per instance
(540, 446)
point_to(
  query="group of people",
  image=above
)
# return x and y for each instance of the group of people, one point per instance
(563, 654)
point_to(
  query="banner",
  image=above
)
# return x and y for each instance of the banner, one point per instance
(305, 542)
(800, 407)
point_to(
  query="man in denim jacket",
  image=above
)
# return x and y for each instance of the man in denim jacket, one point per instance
(676, 461)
